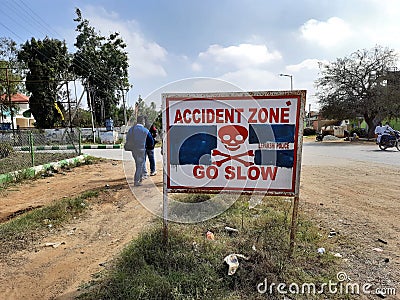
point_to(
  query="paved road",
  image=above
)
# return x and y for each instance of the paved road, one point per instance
(314, 153)
(118, 154)
(334, 153)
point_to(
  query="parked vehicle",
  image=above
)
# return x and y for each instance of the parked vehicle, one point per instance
(389, 141)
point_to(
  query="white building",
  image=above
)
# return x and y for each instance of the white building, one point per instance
(19, 120)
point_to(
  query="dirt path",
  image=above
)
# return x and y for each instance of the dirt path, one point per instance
(340, 198)
(365, 218)
(88, 242)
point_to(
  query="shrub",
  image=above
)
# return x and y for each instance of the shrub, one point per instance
(361, 132)
(309, 131)
(5, 150)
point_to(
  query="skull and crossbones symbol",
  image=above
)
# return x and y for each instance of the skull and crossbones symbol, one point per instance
(233, 137)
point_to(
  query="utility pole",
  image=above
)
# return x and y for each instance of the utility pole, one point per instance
(91, 110)
(123, 101)
(69, 107)
(9, 99)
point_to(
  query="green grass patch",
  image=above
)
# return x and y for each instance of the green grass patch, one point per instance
(190, 266)
(21, 160)
(28, 224)
(28, 173)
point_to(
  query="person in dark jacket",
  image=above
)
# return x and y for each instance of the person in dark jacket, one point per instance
(138, 139)
(150, 155)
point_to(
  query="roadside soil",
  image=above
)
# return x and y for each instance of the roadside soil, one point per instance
(341, 198)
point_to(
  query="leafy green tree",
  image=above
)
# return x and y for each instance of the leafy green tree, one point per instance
(360, 85)
(11, 74)
(47, 61)
(82, 119)
(119, 118)
(103, 65)
(149, 111)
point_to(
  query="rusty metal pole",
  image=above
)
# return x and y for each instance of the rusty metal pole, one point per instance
(293, 227)
(165, 174)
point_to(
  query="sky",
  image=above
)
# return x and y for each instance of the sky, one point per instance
(242, 44)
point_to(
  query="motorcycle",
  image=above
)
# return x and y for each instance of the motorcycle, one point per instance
(389, 141)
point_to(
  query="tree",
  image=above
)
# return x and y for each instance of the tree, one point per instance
(357, 85)
(11, 73)
(47, 61)
(119, 116)
(82, 118)
(103, 65)
(150, 112)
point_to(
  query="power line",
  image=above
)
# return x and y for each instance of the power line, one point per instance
(80, 63)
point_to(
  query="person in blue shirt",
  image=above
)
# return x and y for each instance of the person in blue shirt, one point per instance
(138, 139)
(150, 155)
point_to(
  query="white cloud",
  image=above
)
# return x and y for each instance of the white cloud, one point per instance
(326, 34)
(241, 56)
(145, 56)
(196, 67)
(308, 64)
(253, 79)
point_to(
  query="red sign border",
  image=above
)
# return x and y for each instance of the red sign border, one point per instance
(299, 95)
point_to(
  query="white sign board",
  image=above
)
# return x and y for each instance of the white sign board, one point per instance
(237, 142)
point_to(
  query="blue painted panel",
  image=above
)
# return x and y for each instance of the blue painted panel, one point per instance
(192, 145)
(279, 158)
(262, 133)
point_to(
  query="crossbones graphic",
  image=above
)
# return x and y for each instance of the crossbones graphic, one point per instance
(236, 157)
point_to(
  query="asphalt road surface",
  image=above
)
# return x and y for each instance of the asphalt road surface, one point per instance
(334, 153)
(314, 153)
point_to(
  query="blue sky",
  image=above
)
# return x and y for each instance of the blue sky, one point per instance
(246, 43)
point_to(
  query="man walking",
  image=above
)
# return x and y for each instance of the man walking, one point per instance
(137, 139)
(150, 154)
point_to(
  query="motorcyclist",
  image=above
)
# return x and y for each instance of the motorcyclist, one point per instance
(379, 129)
(386, 131)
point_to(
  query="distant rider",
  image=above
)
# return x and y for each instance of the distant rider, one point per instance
(387, 131)
(379, 129)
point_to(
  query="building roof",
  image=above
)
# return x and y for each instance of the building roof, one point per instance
(16, 98)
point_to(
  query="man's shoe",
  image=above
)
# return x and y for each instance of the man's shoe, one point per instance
(145, 177)
(138, 183)
(153, 173)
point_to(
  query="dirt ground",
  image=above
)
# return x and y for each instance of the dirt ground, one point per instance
(343, 199)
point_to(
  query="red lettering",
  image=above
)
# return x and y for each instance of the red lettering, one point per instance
(219, 115)
(196, 119)
(198, 172)
(274, 115)
(268, 172)
(178, 116)
(253, 112)
(240, 176)
(186, 118)
(285, 115)
(212, 172)
(238, 114)
(229, 115)
(253, 173)
(210, 116)
(263, 115)
(229, 172)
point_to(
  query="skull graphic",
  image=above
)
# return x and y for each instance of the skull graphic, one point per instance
(232, 136)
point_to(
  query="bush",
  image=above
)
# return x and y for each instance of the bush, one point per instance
(5, 150)
(361, 132)
(309, 131)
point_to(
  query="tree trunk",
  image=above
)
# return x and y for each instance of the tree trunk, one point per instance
(370, 120)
